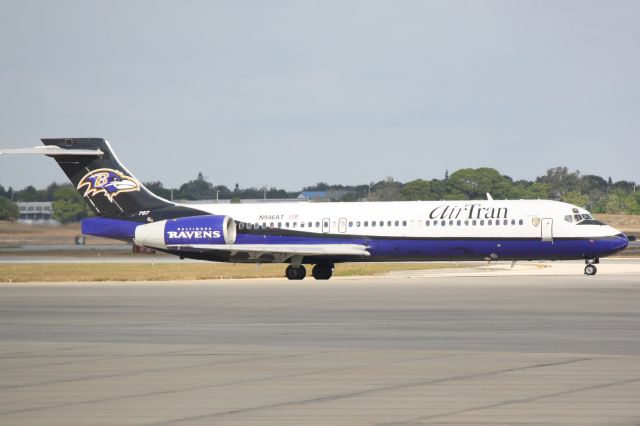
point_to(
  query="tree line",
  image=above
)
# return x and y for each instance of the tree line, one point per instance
(595, 193)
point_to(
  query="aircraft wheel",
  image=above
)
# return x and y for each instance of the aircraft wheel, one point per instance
(294, 273)
(322, 272)
(590, 270)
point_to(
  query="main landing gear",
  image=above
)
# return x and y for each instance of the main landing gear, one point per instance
(319, 272)
(295, 272)
(591, 269)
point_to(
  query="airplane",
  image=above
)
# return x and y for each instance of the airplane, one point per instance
(324, 234)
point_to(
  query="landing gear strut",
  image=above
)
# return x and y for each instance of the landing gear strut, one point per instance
(322, 271)
(295, 273)
(591, 269)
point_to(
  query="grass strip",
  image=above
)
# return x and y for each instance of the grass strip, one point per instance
(75, 272)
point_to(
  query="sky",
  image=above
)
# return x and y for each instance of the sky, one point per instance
(290, 93)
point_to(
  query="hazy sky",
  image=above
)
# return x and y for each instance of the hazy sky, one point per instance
(289, 93)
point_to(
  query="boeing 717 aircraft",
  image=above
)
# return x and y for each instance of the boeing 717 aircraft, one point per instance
(324, 234)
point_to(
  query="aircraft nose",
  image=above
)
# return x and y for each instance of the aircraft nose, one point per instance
(621, 241)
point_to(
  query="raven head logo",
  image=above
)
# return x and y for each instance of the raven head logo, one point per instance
(108, 182)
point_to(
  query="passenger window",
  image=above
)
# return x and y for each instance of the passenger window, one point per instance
(466, 223)
(326, 224)
(426, 223)
(279, 224)
(473, 222)
(404, 223)
(388, 223)
(443, 222)
(350, 224)
(358, 224)
(271, 225)
(513, 221)
(373, 223)
(248, 226)
(489, 222)
(397, 223)
(482, 222)
(317, 224)
(521, 221)
(505, 222)
(310, 224)
(295, 224)
(301, 224)
(498, 222)
(286, 224)
(264, 225)
(459, 222)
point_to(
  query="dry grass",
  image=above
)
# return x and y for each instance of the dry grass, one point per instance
(13, 233)
(180, 271)
(623, 222)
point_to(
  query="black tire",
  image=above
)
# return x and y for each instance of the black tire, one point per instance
(293, 273)
(322, 272)
(590, 270)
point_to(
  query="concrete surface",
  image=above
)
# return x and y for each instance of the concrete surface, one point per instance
(513, 349)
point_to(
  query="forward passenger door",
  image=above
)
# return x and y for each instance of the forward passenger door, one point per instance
(546, 229)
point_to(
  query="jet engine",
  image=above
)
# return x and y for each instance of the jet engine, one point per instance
(193, 230)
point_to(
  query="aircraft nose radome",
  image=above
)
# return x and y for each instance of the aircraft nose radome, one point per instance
(621, 241)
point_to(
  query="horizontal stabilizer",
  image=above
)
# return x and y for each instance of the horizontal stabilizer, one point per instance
(54, 151)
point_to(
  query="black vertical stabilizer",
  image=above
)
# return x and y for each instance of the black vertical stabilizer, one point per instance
(106, 185)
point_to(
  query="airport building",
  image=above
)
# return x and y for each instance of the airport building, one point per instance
(36, 212)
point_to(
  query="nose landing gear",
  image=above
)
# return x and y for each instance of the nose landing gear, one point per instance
(591, 269)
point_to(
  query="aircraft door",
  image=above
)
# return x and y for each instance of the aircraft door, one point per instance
(342, 225)
(326, 225)
(546, 229)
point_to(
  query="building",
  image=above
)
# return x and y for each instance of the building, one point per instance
(36, 212)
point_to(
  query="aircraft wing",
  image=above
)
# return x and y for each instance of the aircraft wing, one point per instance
(281, 251)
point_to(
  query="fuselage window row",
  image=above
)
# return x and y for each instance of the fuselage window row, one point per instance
(389, 223)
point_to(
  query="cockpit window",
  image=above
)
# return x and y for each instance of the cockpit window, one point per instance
(590, 222)
(582, 219)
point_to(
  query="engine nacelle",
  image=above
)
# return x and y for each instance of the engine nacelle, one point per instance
(193, 230)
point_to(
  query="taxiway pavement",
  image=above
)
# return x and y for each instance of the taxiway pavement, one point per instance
(497, 349)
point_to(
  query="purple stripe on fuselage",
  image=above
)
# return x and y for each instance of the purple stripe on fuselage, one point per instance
(459, 248)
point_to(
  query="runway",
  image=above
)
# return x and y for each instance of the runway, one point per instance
(501, 349)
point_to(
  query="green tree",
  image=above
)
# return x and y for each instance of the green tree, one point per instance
(476, 183)
(620, 202)
(157, 188)
(27, 194)
(575, 198)
(561, 181)
(423, 190)
(386, 190)
(68, 205)
(198, 189)
(8, 209)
